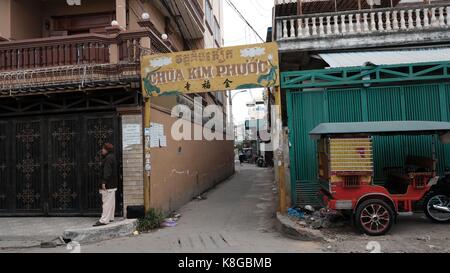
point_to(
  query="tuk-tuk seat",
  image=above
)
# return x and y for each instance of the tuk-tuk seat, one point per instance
(398, 178)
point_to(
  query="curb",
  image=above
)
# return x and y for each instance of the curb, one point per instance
(291, 230)
(97, 234)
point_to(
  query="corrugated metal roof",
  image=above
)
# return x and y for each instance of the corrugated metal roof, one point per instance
(351, 59)
(380, 128)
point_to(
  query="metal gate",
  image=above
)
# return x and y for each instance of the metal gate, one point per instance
(307, 109)
(49, 165)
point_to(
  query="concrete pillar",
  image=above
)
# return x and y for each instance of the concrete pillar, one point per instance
(121, 13)
(146, 43)
(5, 19)
(114, 54)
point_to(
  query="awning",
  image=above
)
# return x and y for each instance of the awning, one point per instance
(381, 128)
(352, 59)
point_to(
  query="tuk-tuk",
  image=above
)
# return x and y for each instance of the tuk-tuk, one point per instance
(346, 173)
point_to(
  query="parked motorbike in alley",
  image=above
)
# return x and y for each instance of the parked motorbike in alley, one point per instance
(437, 201)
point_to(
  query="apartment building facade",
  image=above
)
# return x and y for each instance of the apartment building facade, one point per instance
(70, 81)
(359, 60)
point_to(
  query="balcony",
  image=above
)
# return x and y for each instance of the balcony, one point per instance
(419, 24)
(76, 62)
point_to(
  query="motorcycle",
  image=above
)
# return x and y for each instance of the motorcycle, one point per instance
(437, 201)
(261, 162)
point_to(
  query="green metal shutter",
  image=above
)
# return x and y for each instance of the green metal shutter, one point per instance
(306, 110)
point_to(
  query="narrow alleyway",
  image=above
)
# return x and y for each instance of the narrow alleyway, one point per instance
(237, 216)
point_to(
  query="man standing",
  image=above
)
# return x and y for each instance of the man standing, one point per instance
(108, 184)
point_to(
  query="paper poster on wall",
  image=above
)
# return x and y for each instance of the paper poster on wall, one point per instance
(157, 137)
(131, 135)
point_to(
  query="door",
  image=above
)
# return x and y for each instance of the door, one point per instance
(50, 165)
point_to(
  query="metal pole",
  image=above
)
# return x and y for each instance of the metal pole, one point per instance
(147, 174)
(280, 159)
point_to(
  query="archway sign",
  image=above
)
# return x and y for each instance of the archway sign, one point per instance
(211, 70)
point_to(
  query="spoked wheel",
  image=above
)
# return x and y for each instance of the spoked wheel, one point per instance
(374, 217)
(441, 200)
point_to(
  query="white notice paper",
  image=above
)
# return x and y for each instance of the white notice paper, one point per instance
(131, 135)
(157, 137)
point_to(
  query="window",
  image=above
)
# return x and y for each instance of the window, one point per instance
(209, 14)
(217, 32)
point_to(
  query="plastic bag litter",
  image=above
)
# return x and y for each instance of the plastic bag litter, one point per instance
(170, 223)
(296, 213)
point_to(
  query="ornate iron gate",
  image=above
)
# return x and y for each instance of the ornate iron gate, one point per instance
(4, 166)
(49, 165)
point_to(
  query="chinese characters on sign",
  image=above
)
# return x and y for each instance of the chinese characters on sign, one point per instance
(208, 70)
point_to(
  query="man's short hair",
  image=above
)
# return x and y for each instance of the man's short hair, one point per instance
(109, 147)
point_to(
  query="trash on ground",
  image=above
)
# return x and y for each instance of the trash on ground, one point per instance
(309, 217)
(200, 197)
(296, 213)
(54, 243)
(176, 216)
(169, 223)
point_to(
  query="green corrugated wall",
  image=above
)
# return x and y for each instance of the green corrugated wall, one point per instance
(307, 109)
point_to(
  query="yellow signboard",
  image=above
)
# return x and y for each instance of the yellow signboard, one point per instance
(208, 70)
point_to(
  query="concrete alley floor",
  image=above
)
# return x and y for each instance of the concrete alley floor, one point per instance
(412, 234)
(237, 216)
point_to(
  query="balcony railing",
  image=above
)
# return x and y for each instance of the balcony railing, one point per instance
(362, 22)
(73, 50)
(75, 62)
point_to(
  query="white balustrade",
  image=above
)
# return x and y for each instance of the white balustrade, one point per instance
(300, 27)
(448, 16)
(321, 28)
(329, 30)
(292, 28)
(343, 25)
(314, 27)
(441, 17)
(364, 22)
(380, 22)
(388, 21)
(434, 20)
(402, 20)
(351, 27)
(410, 19)
(426, 20)
(358, 23)
(336, 24)
(418, 20)
(307, 33)
(373, 25)
(285, 31)
(395, 20)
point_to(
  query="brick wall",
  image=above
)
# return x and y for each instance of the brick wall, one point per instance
(133, 184)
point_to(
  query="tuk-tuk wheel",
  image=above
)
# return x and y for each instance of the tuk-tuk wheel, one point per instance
(374, 217)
